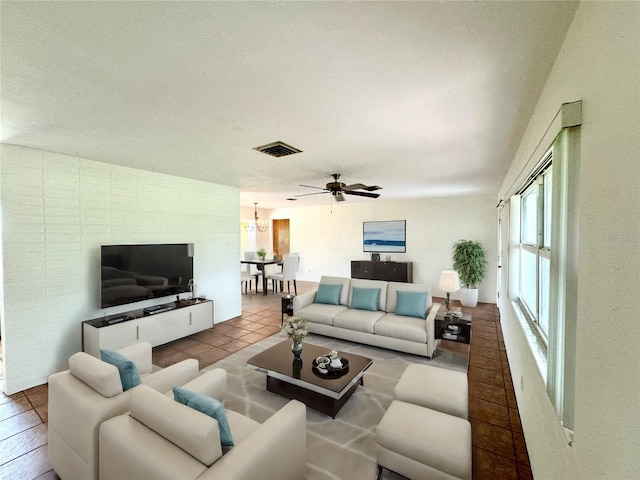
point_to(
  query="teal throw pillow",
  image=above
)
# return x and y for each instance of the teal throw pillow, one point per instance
(328, 294)
(129, 373)
(365, 298)
(411, 304)
(209, 406)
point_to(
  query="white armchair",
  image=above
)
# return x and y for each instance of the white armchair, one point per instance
(90, 392)
(162, 439)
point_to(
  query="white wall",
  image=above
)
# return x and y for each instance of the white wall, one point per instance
(58, 210)
(599, 64)
(328, 238)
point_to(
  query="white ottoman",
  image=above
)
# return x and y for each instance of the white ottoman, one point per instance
(446, 391)
(421, 443)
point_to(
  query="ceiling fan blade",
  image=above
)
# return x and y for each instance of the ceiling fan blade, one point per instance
(362, 194)
(315, 193)
(311, 186)
(355, 186)
(339, 197)
(361, 186)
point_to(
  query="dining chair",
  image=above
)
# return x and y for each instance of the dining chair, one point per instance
(279, 267)
(253, 271)
(289, 271)
(246, 278)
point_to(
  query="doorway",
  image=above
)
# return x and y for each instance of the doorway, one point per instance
(281, 237)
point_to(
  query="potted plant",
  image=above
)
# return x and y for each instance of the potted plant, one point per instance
(261, 254)
(470, 261)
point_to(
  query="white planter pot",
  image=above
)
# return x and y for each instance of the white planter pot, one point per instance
(469, 297)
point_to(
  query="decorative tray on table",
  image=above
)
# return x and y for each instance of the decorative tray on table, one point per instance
(330, 365)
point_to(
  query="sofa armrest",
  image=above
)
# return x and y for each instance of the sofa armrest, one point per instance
(75, 413)
(303, 300)
(278, 446)
(140, 353)
(173, 376)
(212, 383)
(431, 329)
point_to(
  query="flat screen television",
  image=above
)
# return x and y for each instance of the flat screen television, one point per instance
(384, 236)
(132, 273)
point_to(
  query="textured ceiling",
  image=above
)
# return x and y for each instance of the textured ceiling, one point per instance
(421, 98)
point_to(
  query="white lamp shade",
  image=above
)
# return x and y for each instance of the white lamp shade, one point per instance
(449, 281)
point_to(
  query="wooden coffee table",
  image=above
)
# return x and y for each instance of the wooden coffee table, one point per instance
(298, 380)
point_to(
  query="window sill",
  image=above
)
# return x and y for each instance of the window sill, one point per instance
(536, 345)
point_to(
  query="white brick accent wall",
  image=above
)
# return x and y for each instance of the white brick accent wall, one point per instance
(58, 210)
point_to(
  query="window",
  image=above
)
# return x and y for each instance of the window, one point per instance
(543, 256)
(535, 246)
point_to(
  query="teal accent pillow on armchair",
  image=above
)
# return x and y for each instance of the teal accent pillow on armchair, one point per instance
(365, 298)
(128, 370)
(209, 406)
(411, 304)
(328, 294)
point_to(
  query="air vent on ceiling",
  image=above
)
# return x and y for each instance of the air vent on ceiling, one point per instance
(278, 149)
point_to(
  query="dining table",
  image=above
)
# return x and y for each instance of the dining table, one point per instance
(261, 264)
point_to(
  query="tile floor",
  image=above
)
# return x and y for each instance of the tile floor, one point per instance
(499, 450)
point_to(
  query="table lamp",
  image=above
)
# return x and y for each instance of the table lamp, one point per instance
(449, 283)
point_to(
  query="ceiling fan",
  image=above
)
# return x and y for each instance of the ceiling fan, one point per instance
(337, 189)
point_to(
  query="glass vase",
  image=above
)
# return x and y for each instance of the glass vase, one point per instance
(296, 348)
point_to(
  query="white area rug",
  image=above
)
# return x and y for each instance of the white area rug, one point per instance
(344, 448)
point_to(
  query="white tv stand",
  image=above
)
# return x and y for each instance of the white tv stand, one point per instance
(184, 318)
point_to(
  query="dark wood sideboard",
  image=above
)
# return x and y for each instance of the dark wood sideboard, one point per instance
(387, 271)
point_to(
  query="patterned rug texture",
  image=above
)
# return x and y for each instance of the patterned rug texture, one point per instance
(344, 447)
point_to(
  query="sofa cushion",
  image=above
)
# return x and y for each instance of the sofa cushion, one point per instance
(241, 426)
(411, 304)
(320, 313)
(209, 406)
(195, 433)
(103, 377)
(427, 437)
(129, 450)
(440, 389)
(394, 287)
(402, 327)
(345, 282)
(128, 370)
(329, 294)
(363, 283)
(358, 320)
(365, 298)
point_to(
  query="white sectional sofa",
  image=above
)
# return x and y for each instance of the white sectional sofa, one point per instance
(385, 325)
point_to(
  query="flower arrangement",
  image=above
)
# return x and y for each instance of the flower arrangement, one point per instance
(261, 253)
(295, 328)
